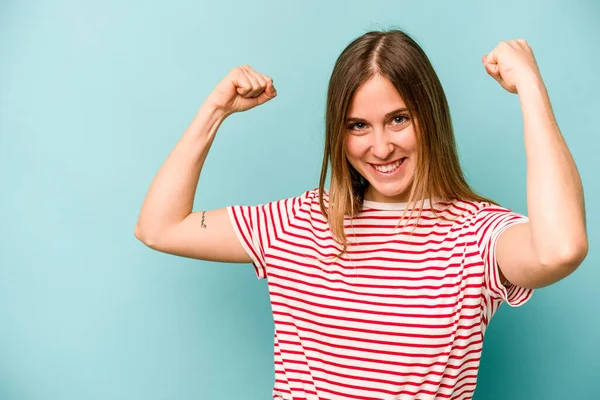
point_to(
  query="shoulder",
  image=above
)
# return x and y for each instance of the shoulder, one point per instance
(293, 201)
(309, 197)
(476, 210)
(480, 217)
(486, 221)
(304, 201)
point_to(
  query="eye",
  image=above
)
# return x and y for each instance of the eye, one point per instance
(402, 119)
(358, 125)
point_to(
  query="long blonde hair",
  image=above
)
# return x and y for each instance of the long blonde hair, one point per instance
(394, 55)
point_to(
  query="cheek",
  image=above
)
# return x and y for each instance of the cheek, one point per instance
(352, 147)
(408, 142)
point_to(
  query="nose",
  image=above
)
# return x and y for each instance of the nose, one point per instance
(381, 147)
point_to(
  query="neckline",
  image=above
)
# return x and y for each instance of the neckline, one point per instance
(380, 205)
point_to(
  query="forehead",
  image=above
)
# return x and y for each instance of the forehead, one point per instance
(375, 98)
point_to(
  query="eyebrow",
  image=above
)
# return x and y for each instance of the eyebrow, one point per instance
(391, 113)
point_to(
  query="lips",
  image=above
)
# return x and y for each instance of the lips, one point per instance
(389, 168)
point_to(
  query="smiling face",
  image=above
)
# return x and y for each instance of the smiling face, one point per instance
(381, 141)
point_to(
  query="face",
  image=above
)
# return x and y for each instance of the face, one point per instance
(381, 141)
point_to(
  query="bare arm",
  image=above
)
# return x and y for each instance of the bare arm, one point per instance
(205, 235)
(554, 243)
(166, 221)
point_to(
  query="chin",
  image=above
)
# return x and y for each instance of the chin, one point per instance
(389, 193)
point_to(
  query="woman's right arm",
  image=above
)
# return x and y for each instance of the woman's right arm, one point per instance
(166, 222)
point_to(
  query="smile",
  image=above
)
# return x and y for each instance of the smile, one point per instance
(388, 169)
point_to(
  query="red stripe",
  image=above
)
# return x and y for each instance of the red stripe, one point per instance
(241, 233)
(335, 336)
(273, 284)
(377, 295)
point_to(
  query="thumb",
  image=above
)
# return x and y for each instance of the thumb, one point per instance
(267, 94)
(490, 66)
(494, 72)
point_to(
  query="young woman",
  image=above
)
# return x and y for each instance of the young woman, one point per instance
(382, 286)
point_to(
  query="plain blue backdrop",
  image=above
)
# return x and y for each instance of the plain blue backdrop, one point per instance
(95, 94)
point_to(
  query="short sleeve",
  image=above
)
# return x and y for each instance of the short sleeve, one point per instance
(490, 222)
(258, 227)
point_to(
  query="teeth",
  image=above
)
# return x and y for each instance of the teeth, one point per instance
(389, 167)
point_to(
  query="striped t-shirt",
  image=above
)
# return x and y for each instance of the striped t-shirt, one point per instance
(396, 317)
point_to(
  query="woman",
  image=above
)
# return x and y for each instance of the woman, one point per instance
(365, 308)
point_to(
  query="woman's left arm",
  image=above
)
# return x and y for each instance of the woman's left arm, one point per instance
(554, 242)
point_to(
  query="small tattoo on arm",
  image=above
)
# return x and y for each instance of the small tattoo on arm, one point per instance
(202, 222)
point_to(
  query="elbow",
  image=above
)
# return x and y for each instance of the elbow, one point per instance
(570, 257)
(143, 237)
(138, 233)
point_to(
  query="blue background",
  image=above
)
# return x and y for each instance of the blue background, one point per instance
(93, 97)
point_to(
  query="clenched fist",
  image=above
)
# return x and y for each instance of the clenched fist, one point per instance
(512, 64)
(242, 89)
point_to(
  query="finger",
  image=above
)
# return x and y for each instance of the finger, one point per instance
(256, 86)
(242, 82)
(270, 87)
(502, 83)
(514, 44)
(250, 72)
(490, 67)
(264, 83)
(269, 90)
(524, 45)
(259, 77)
(266, 95)
(492, 70)
(492, 57)
(498, 79)
(267, 78)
